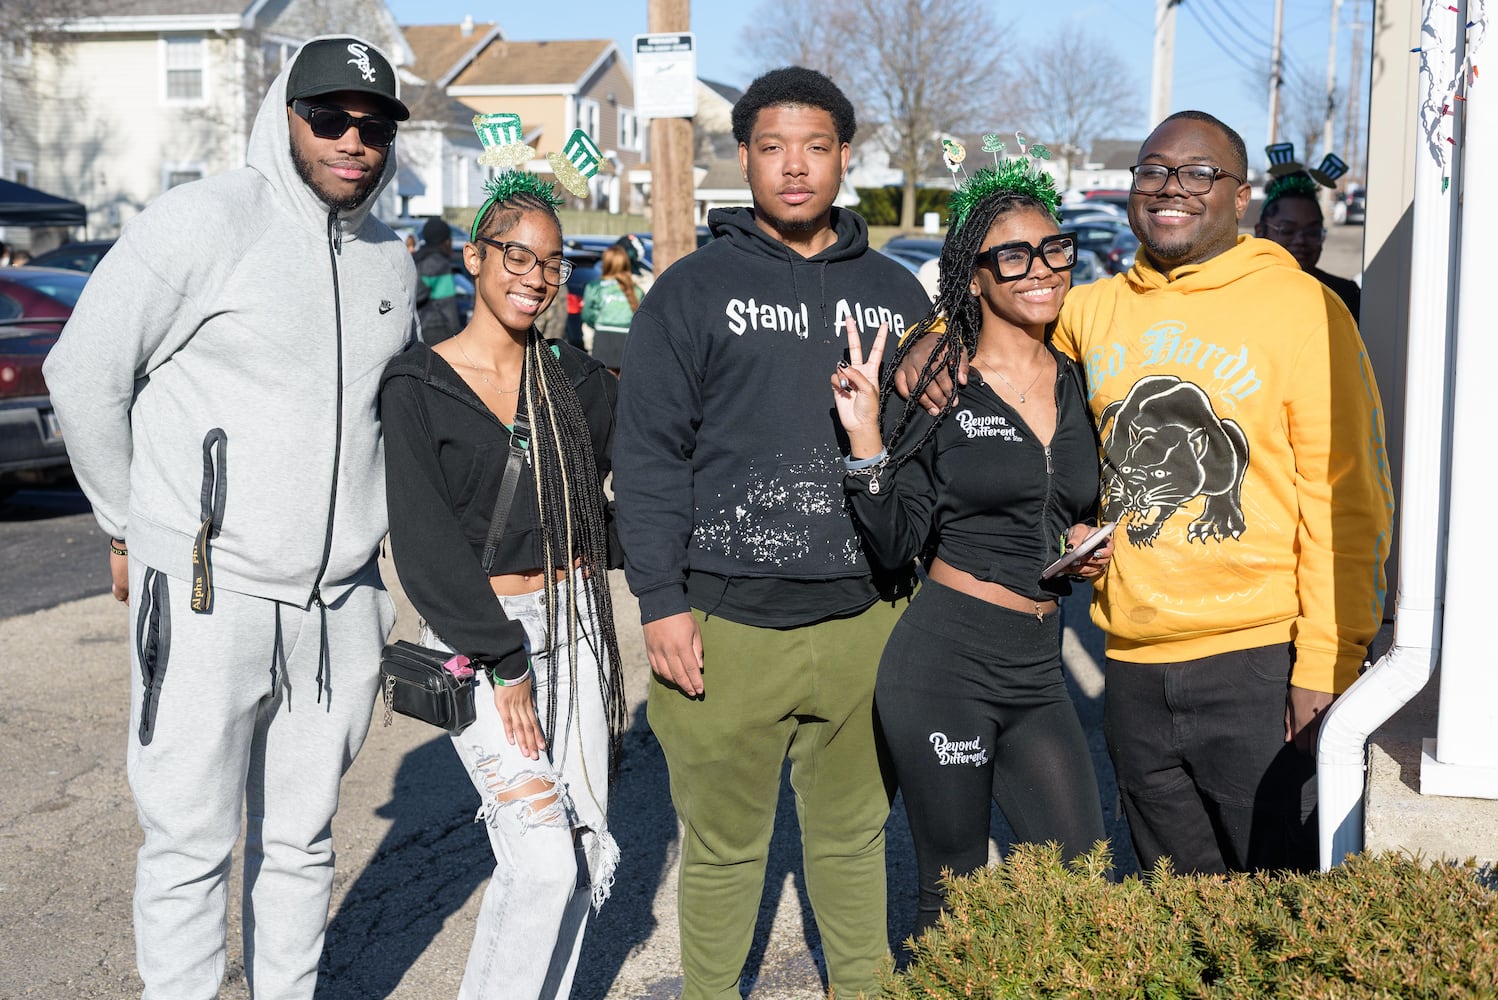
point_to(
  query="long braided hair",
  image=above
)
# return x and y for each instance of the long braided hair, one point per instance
(962, 311)
(569, 502)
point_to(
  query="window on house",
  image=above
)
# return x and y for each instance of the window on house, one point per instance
(18, 51)
(22, 169)
(629, 129)
(185, 58)
(179, 173)
(587, 117)
(273, 56)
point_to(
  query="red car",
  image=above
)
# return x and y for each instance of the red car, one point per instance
(35, 302)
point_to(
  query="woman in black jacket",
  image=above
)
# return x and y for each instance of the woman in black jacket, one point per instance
(970, 693)
(498, 408)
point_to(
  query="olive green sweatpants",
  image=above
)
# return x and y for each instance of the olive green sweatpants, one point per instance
(806, 694)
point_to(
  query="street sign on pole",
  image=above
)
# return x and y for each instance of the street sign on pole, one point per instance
(666, 75)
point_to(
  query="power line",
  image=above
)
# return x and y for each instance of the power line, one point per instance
(1227, 50)
(1227, 12)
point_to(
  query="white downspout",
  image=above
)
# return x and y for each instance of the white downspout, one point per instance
(1400, 674)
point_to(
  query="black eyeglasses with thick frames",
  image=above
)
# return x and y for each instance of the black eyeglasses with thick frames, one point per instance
(1012, 261)
(330, 123)
(1194, 178)
(521, 259)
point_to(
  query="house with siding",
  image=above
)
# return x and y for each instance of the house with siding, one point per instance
(554, 86)
(144, 95)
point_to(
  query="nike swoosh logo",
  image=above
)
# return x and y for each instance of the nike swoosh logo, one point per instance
(385, 306)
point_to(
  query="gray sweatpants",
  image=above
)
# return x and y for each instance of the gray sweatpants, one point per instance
(227, 716)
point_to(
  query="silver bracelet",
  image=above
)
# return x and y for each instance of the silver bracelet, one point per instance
(870, 467)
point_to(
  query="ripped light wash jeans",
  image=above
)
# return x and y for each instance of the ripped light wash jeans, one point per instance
(550, 860)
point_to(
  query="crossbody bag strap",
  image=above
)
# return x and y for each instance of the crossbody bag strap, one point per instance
(520, 439)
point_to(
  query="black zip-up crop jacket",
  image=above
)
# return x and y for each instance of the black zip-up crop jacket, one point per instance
(445, 457)
(984, 494)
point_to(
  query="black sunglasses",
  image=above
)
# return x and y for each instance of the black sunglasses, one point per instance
(1012, 261)
(331, 123)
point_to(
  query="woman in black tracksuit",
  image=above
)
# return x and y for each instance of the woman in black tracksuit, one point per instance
(970, 693)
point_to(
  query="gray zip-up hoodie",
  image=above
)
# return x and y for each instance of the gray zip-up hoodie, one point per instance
(222, 367)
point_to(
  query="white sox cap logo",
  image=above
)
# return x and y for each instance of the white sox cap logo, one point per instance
(361, 60)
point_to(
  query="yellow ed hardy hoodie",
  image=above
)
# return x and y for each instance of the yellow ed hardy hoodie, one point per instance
(1245, 454)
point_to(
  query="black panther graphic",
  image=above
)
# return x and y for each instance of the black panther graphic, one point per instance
(1167, 447)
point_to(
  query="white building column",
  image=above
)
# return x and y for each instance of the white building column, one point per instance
(1463, 758)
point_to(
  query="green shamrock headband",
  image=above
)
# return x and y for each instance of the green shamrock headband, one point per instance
(1016, 176)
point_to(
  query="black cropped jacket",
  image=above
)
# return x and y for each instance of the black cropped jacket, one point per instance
(445, 455)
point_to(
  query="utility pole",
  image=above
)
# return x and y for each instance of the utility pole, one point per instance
(1276, 70)
(1165, 44)
(1327, 195)
(1352, 132)
(671, 188)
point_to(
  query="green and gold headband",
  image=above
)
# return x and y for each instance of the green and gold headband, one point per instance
(1016, 175)
(505, 148)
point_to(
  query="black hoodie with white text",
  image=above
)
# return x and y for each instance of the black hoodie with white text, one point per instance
(728, 465)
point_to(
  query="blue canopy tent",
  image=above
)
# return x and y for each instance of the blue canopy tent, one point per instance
(24, 206)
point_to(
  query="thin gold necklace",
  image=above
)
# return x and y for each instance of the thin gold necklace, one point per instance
(991, 367)
(505, 392)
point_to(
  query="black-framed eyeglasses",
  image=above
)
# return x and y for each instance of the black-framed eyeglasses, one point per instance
(1284, 234)
(1194, 178)
(330, 123)
(1012, 261)
(521, 259)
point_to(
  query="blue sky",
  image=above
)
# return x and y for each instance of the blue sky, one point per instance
(1216, 42)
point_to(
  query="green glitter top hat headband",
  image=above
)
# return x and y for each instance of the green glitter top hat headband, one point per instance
(505, 148)
(1015, 175)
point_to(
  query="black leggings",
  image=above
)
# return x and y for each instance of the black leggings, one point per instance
(971, 699)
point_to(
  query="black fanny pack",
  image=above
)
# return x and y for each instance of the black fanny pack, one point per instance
(432, 685)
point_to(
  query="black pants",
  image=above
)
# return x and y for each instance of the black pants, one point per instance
(973, 705)
(1204, 771)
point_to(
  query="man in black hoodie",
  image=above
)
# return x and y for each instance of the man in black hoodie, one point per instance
(763, 620)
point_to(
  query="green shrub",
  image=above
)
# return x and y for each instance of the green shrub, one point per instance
(1384, 927)
(880, 206)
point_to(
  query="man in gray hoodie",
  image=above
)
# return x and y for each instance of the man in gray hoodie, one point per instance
(217, 385)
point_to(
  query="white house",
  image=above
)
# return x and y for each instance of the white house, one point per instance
(147, 94)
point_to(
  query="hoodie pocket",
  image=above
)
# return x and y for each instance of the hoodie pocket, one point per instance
(153, 643)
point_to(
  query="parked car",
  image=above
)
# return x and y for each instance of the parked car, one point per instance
(1107, 196)
(1076, 212)
(1089, 268)
(1097, 235)
(915, 249)
(1120, 255)
(599, 242)
(82, 256)
(34, 305)
(1350, 207)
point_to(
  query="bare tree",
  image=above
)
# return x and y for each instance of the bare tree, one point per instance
(914, 69)
(1068, 102)
(1303, 112)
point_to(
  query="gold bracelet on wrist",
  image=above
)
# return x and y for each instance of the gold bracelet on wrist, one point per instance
(119, 549)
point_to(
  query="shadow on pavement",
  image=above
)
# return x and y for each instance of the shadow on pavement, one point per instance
(425, 869)
(644, 825)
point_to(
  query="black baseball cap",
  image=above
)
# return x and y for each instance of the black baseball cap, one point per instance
(329, 65)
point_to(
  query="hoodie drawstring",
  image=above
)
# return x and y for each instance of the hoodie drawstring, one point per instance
(277, 654)
(822, 292)
(324, 655)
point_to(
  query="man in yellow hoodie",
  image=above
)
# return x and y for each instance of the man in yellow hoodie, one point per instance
(1245, 458)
